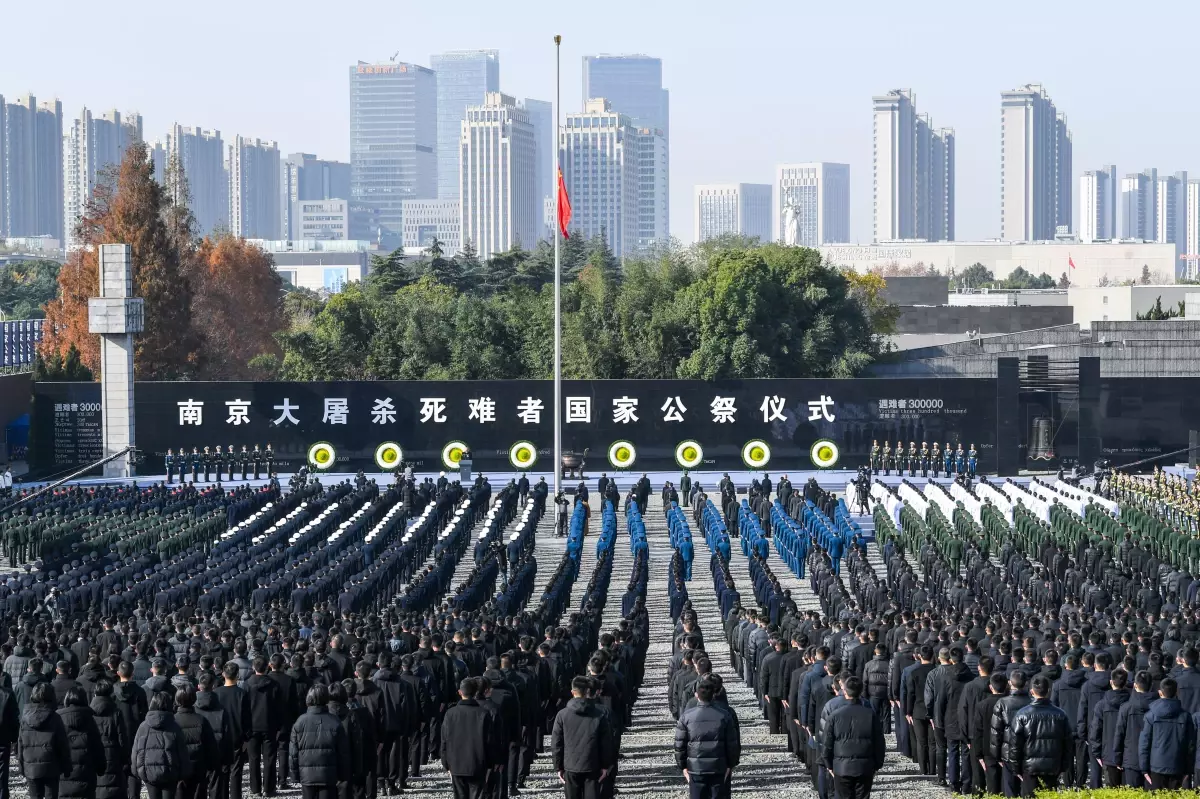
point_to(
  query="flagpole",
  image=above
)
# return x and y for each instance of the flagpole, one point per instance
(557, 272)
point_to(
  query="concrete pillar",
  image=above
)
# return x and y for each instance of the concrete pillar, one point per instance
(116, 315)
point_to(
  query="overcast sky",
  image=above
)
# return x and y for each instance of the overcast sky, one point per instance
(752, 84)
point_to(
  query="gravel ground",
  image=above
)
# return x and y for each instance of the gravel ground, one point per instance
(648, 770)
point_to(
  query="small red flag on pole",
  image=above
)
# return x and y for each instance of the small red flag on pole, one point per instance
(1071, 261)
(564, 206)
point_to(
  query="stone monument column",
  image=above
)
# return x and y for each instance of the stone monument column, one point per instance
(116, 315)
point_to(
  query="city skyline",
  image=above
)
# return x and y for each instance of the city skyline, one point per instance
(802, 120)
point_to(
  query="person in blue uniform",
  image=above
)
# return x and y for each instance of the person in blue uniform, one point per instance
(169, 464)
(972, 461)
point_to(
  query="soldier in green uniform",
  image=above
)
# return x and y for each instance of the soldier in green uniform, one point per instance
(245, 458)
(887, 458)
(924, 459)
(912, 459)
(269, 455)
(873, 461)
(196, 459)
(936, 458)
(169, 463)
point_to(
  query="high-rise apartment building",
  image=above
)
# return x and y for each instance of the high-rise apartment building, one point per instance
(1171, 205)
(498, 168)
(633, 86)
(813, 203)
(31, 189)
(254, 194)
(1098, 204)
(464, 77)
(303, 176)
(913, 179)
(541, 116)
(1035, 166)
(1190, 264)
(90, 147)
(600, 168)
(1139, 205)
(742, 209)
(652, 188)
(393, 146)
(202, 155)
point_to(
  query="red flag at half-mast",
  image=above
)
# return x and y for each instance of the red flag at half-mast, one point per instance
(1071, 261)
(564, 206)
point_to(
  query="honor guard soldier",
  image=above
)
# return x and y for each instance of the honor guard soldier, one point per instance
(206, 462)
(948, 460)
(972, 461)
(257, 456)
(887, 458)
(874, 459)
(935, 459)
(912, 459)
(231, 459)
(898, 456)
(924, 459)
(245, 456)
(960, 460)
(169, 463)
(196, 459)
(269, 456)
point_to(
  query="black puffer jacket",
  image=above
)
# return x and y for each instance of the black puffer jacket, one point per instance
(198, 739)
(209, 706)
(132, 705)
(853, 741)
(582, 738)
(319, 749)
(1102, 729)
(111, 783)
(706, 740)
(87, 753)
(1002, 716)
(267, 705)
(1040, 737)
(159, 756)
(1129, 728)
(875, 675)
(44, 753)
(160, 685)
(945, 687)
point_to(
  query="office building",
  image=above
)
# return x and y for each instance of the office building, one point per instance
(742, 209)
(541, 116)
(31, 138)
(600, 168)
(254, 194)
(1171, 211)
(913, 176)
(633, 86)
(497, 165)
(393, 146)
(91, 147)
(201, 155)
(813, 203)
(653, 189)
(464, 77)
(1035, 166)
(1189, 265)
(1098, 204)
(1139, 205)
(426, 220)
(320, 220)
(303, 176)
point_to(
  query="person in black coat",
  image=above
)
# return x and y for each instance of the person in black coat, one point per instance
(208, 705)
(361, 727)
(708, 745)
(470, 748)
(111, 782)
(132, 706)
(582, 742)
(1129, 729)
(87, 751)
(1167, 745)
(1041, 741)
(10, 727)
(943, 690)
(853, 747)
(319, 748)
(44, 753)
(159, 755)
(267, 714)
(200, 743)
(1102, 730)
(1001, 734)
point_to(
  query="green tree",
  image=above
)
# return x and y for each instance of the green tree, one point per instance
(26, 286)
(57, 369)
(976, 276)
(388, 273)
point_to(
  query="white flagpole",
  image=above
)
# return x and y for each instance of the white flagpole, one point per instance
(557, 272)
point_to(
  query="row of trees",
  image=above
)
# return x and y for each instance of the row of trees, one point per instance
(723, 309)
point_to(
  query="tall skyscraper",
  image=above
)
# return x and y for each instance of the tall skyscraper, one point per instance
(1035, 166)
(633, 86)
(201, 155)
(813, 203)
(1098, 204)
(653, 189)
(90, 147)
(1139, 205)
(600, 169)
(498, 169)
(1191, 264)
(1171, 211)
(32, 141)
(732, 208)
(913, 172)
(464, 77)
(393, 146)
(303, 176)
(254, 194)
(541, 116)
